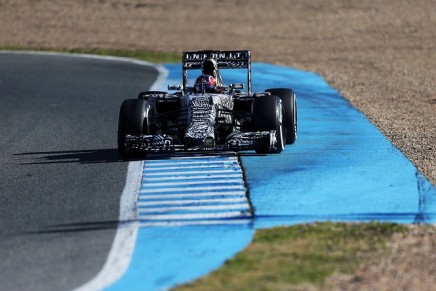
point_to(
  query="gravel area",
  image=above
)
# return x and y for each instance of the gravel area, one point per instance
(380, 54)
(407, 264)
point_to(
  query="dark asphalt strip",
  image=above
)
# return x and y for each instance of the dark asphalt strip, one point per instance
(60, 175)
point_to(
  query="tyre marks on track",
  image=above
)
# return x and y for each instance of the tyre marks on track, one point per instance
(194, 190)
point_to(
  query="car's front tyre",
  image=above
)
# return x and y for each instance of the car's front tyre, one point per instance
(133, 120)
(268, 115)
(289, 100)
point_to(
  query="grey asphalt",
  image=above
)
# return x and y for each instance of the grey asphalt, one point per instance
(60, 174)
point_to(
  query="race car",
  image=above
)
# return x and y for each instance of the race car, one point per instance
(208, 115)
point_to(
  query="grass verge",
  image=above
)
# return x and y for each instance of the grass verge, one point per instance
(150, 56)
(285, 258)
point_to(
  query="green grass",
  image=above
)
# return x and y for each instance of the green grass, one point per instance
(303, 255)
(150, 56)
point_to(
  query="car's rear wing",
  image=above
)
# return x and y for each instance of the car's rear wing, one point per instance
(225, 60)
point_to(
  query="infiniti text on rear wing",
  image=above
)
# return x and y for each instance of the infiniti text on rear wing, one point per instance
(225, 60)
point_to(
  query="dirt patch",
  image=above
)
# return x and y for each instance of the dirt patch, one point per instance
(407, 264)
(381, 54)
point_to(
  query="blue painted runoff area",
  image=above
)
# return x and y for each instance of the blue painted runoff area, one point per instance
(167, 256)
(341, 168)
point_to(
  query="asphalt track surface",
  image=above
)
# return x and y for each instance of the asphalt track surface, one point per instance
(60, 177)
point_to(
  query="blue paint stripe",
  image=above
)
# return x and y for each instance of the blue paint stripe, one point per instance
(188, 173)
(194, 188)
(192, 181)
(196, 222)
(190, 191)
(206, 159)
(190, 178)
(199, 203)
(193, 209)
(186, 197)
(195, 167)
(193, 162)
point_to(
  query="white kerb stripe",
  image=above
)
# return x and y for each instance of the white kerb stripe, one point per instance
(229, 214)
(190, 195)
(208, 156)
(198, 182)
(177, 163)
(173, 167)
(169, 174)
(188, 202)
(241, 206)
(187, 189)
(212, 176)
(195, 222)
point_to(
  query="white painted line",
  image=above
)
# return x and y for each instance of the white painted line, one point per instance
(189, 202)
(175, 162)
(179, 173)
(143, 197)
(187, 189)
(193, 223)
(201, 166)
(122, 248)
(198, 182)
(239, 206)
(213, 176)
(207, 156)
(229, 214)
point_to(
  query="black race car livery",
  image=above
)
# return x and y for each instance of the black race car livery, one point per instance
(226, 118)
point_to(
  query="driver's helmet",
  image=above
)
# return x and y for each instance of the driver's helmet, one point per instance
(205, 83)
(209, 67)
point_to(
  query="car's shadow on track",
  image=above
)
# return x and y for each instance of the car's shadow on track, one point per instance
(76, 156)
(103, 156)
(80, 227)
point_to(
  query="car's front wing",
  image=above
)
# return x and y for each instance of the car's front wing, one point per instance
(237, 141)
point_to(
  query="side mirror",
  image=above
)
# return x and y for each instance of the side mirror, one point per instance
(237, 86)
(175, 87)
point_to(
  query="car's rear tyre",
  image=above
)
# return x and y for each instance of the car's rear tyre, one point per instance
(267, 116)
(133, 120)
(289, 100)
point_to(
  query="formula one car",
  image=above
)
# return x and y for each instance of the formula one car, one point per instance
(208, 115)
